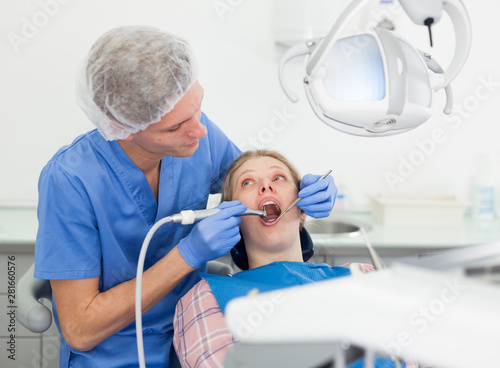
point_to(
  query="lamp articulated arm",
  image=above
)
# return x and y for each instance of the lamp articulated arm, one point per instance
(418, 12)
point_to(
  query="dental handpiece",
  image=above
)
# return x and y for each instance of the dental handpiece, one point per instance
(190, 217)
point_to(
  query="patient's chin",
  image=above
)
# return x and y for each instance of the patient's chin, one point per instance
(284, 233)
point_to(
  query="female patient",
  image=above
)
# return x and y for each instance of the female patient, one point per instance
(261, 180)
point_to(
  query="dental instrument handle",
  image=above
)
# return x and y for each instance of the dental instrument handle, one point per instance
(190, 217)
(325, 174)
(298, 199)
(290, 207)
(250, 212)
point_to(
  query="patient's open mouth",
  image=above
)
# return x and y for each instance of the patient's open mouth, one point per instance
(273, 211)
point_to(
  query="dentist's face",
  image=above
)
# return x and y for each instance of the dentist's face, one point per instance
(266, 183)
(178, 132)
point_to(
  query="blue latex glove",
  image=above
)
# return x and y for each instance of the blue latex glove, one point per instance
(318, 196)
(213, 236)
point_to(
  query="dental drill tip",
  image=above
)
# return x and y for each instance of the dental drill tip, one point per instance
(264, 215)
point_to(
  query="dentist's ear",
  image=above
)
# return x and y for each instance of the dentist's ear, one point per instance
(129, 138)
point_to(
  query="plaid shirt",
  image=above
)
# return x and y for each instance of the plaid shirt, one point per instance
(201, 336)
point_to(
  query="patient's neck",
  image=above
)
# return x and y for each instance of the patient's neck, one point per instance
(257, 256)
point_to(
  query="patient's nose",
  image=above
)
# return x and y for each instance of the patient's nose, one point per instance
(266, 186)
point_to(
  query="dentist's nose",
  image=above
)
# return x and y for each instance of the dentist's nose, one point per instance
(196, 129)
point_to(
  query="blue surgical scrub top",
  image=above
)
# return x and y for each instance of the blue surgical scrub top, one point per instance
(95, 208)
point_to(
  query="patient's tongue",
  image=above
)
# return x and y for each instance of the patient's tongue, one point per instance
(272, 212)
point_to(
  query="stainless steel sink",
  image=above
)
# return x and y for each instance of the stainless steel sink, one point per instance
(337, 227)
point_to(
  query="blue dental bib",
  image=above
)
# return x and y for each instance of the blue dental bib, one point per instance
(276, 275)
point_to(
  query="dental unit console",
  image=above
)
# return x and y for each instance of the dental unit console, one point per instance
(376, 83)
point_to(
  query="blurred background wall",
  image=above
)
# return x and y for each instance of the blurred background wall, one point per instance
(43, 42)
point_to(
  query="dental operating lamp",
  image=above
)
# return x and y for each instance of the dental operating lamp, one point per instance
(375, 83)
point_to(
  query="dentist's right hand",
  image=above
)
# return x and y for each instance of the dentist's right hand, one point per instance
(213, 236)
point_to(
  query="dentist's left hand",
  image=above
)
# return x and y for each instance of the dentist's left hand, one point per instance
(214, 236)
(318, 196)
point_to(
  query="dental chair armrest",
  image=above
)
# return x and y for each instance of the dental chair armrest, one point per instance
(32, 314)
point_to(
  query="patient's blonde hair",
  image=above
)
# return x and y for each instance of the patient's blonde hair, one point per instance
(227, 185)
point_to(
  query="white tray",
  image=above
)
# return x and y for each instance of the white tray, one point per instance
(395, 210)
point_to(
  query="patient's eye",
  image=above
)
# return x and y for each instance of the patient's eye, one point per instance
(246, 182)
(279, 177)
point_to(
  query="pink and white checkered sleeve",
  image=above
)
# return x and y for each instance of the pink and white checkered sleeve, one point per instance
(201, 336)
(365, 268)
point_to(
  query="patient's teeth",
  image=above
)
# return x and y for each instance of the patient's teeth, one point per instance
(271, 202)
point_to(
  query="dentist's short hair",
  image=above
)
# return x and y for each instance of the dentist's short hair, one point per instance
(132, 77)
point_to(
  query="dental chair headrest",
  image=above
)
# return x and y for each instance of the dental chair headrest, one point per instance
(240, 258)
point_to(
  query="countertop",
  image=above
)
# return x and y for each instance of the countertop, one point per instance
(469, 232)
(18, 226)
